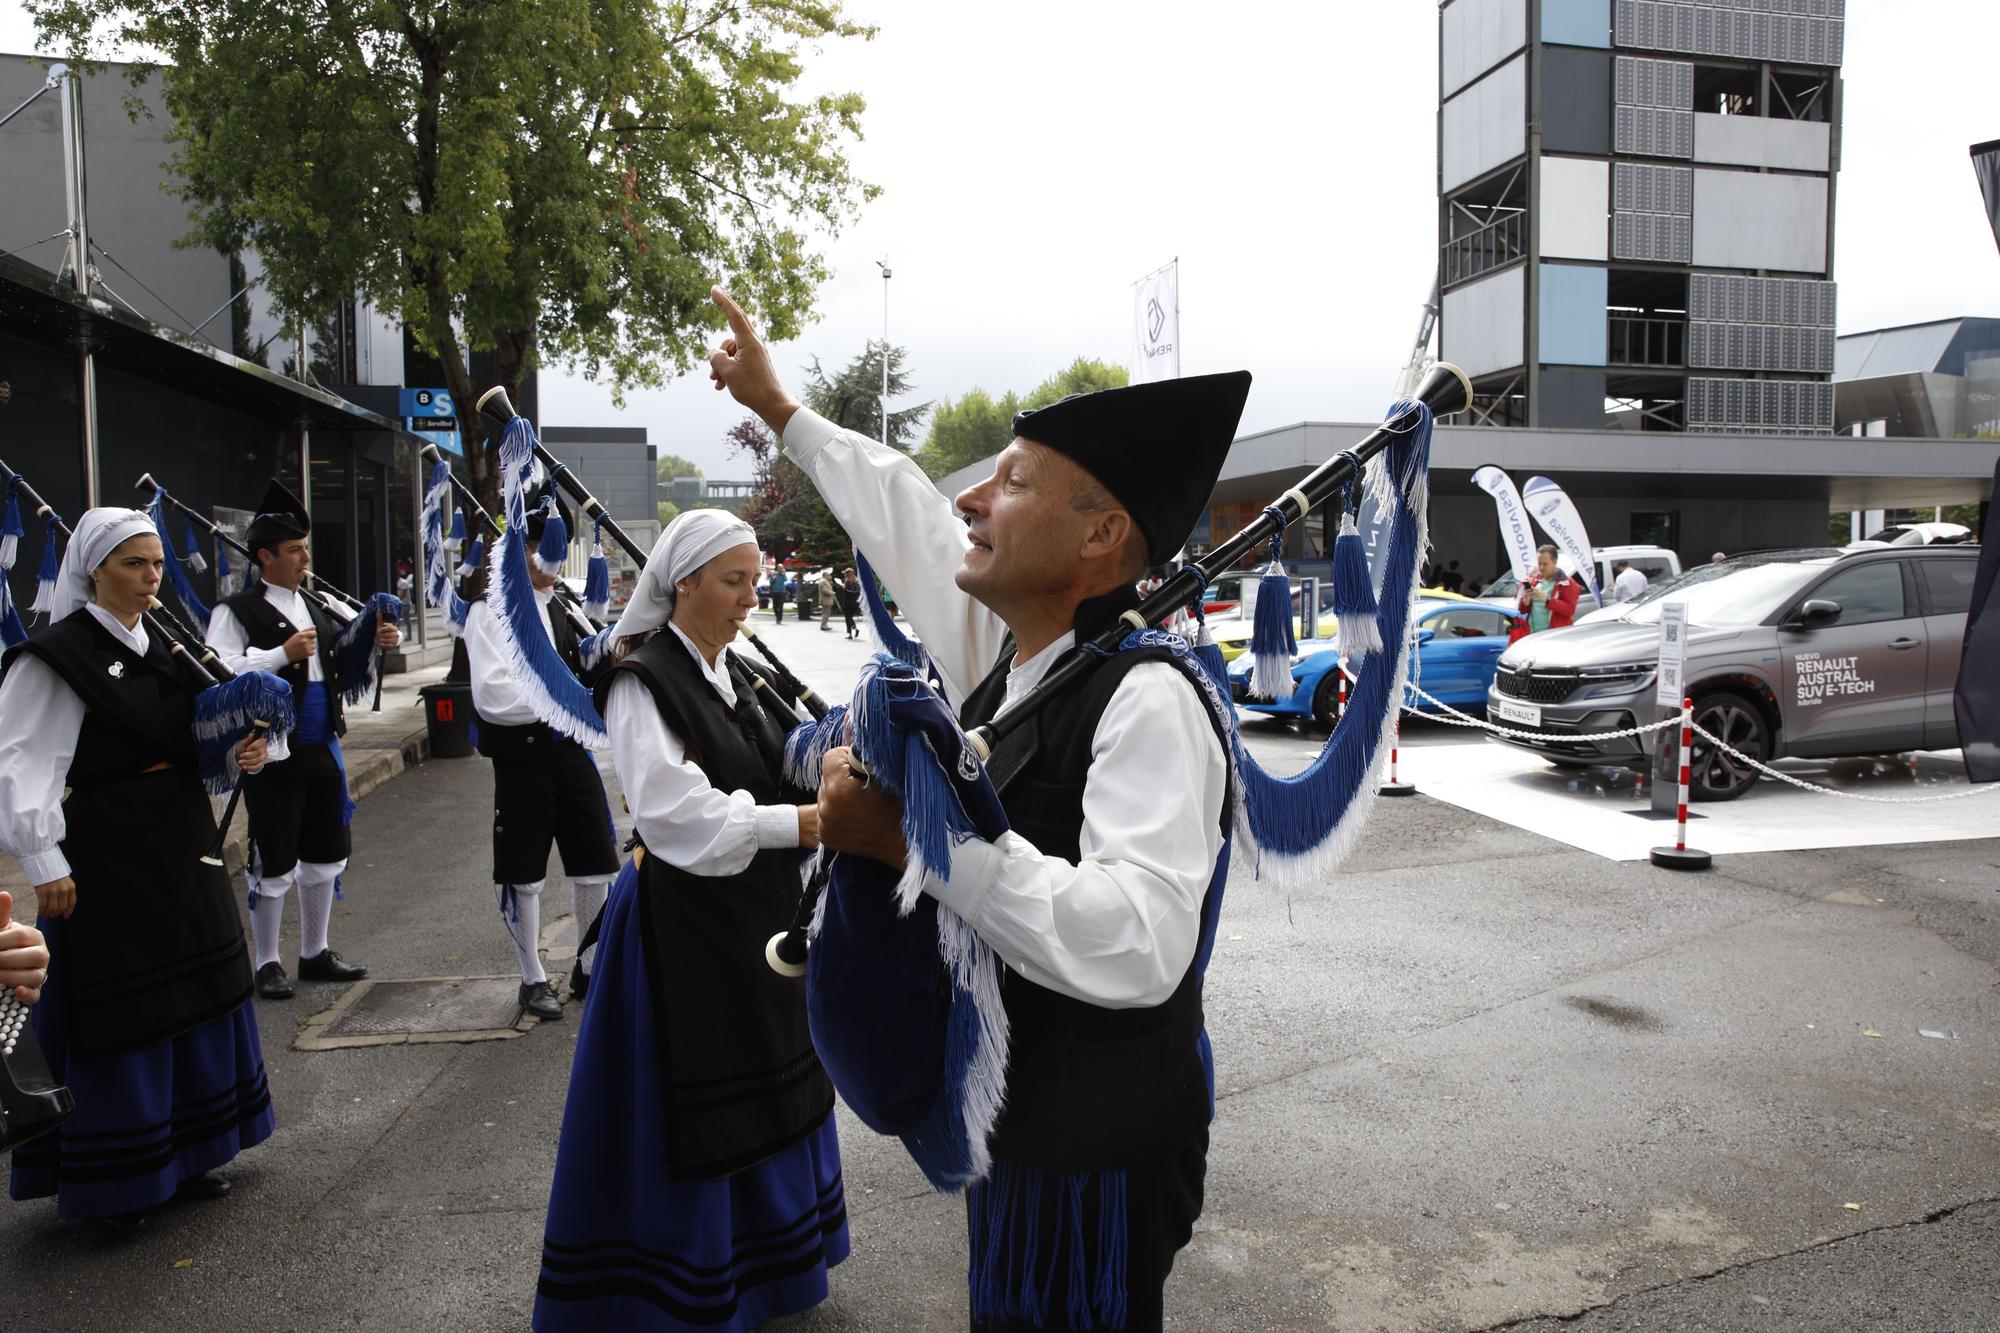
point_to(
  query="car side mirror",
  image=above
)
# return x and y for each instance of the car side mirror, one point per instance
(1424, 636)
(1816, 613)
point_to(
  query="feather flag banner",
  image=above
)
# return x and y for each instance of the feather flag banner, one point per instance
(177, 577)
(544, 679)
(1557, 514)
(1516, 533)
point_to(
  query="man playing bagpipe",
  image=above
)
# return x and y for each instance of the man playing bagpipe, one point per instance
(546, 787)
(299, 807)
(1117, 797)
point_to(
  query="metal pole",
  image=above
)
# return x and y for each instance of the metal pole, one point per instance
(79, 265)
(883, 264)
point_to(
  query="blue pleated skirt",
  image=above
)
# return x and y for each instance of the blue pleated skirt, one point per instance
(628, 1248)
(146, 1119)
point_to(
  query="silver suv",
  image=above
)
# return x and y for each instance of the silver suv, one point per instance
(1789, 653)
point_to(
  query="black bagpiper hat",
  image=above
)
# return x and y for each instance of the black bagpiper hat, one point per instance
(1158, 448)
(281, 516)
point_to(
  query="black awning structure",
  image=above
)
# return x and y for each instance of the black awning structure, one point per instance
(36, 308)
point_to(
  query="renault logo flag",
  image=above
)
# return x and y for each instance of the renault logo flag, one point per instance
(1986, 165)
(1156, 325)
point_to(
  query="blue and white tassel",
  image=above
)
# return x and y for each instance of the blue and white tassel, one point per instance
(456, 540)
(222, 588)
(558, 698)
(437, 578)
(475, 557)
(552, 554)
(193, 556)
(51, 570)
(11, 530)
(1354, 592)
(177, 578)
(1273, 641)
(597, 576)
(12, 631)
(355, 660)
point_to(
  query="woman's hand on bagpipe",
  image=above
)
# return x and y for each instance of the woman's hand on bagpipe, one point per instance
(743, 366)
(856, 818)
(24, 955)
(252, 754)
(57, 898)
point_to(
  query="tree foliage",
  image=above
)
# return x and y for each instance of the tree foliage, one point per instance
(979, 425)
(673, 465)
(551, 180)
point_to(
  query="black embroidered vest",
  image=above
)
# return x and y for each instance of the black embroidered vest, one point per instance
(265, 627)
(743, 1082)
(1088, 1088)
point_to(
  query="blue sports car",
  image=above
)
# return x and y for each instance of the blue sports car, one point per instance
(1457, 644)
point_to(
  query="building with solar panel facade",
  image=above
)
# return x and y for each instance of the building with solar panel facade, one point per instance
(1636, 212)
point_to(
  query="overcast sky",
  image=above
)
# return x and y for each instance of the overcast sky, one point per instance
(1036, 157)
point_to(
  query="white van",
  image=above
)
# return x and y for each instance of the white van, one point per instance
(1657, 563)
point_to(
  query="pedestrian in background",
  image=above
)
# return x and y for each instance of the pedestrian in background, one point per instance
(849, 593)
(778, 593)
(1548, 598)
(825, 581)
(1627, 583)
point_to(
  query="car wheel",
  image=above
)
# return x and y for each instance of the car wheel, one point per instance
(1712, 774)
(1326, 699)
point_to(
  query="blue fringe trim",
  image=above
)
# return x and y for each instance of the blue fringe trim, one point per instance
(906, 767)
(354, 656)
(227, 712)
(888, 634)
(807, 744)
(51, 568)
(475, 556)
(1354, 593)
(11, 529)
(1015, 1266)
(597, 576)
(12, 631)
(1273, 641)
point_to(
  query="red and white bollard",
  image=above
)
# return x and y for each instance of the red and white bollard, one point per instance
(1396, 786)
(1680, 856)
(1340, 708)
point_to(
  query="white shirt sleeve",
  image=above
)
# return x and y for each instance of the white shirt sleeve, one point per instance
(680, 817)
(1119, 928)
(493, 694)
(910, 533)
(232, 644)
(40, 716)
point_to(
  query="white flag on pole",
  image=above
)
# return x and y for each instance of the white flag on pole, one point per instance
(1515, 533)
(1156, 325)
(1556, 512)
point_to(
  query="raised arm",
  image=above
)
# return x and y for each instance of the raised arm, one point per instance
(908, 530)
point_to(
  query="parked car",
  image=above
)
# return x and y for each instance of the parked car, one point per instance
(1458, 641)
(1657, 563)
(1915, 534)
(1224, 595)
(1808, 652)
(1232, 633)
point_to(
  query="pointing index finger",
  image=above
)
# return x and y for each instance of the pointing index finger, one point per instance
(739, 323)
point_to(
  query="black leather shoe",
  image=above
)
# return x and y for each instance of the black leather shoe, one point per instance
(272, 983)
(579, 982)
(539, 998)
(326, 965)
(121, 1222)
(207, 1185)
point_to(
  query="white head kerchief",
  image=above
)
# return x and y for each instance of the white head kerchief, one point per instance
(695, 537)
(98, 533)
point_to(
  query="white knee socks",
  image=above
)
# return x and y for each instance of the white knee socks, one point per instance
(521, 910)
(587, 900)
(267, 917)
(316, 904)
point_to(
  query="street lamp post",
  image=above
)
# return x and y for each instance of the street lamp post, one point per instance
(883, 264)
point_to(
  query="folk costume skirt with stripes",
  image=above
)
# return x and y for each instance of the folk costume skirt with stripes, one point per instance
(146, 1118)
(628, 1248)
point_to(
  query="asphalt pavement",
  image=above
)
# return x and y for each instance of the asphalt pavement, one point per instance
(1475, 1079)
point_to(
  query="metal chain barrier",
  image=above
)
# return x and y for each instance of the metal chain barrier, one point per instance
(1983, 789)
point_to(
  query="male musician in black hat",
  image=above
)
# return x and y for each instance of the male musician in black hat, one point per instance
(299, 806)
(1118, 799)
(547, 790)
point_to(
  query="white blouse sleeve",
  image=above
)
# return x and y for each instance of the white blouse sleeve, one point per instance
(1119, 927)
(912, 535)
(682, 819)
(40, 716)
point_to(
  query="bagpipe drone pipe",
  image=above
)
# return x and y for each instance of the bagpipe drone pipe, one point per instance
(903, 996)
(523, 461)
(229, 708)
(354, 648)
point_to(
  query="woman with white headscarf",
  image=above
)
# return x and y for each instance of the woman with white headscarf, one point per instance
(145, 1014)
(698, 1179)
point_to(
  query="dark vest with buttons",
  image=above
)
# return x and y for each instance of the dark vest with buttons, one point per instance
(742, 1081)
(154, 947)
(531, 739)
(1088, 1088)
(266, 627)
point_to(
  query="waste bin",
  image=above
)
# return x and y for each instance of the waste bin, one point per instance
(448, 717)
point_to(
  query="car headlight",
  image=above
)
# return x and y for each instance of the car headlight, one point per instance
(1616, 679)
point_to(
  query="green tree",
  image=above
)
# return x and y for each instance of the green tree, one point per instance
(673, 465)
(668, 511)
(979, 425)
(551, 180)
(851, 397)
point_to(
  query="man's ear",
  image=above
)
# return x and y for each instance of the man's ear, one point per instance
(1106, 533)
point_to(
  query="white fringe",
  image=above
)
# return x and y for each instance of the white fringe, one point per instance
(526, 681)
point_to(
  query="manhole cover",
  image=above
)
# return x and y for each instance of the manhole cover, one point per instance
(424, 1009)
